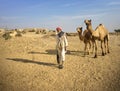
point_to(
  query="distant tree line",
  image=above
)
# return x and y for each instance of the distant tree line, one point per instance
(117, 30)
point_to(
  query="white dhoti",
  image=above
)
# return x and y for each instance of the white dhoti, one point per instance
(61, 54)
(61, 48)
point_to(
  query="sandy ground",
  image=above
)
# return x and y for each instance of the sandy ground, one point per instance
(28, 63)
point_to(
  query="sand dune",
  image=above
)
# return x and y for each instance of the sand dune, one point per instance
(28, 63)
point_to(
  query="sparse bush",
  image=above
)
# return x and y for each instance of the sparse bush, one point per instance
(32, 30)
(117, 30)
(52, 30)
(18, 35)
(6, 36)
(37, 32)
(23, 32)
(71, 34)
(44, 31)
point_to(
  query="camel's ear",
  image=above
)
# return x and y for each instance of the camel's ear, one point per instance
(81, 28)
(90, 20)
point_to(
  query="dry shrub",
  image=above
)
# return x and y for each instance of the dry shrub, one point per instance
(44, 31)
(37, 32)
(18, 35)
(71, 34)
(6, 35)
(32, 30)
(23, 32)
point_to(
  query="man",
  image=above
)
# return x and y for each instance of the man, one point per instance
(62, 43)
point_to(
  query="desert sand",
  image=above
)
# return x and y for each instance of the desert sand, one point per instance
(28, 63)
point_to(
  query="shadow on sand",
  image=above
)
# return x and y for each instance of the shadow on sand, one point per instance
(49, 52)
(69, 52)
(53, 52)
(31, 61)
(75, 53)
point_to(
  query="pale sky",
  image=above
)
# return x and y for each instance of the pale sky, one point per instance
(67, 14)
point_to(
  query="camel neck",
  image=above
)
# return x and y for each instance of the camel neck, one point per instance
(89, 27)
(80, 36)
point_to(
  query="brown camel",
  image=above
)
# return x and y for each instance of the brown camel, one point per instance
(86, 38)
(100, 33)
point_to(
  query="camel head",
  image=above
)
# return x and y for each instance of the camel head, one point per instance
(101, 25)
(87, 22)
(79, 30)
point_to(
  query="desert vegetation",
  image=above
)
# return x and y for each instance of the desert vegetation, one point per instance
(117, 31)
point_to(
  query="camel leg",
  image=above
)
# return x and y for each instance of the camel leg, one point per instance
(95, 49)
(86, 53)
(105, 41)
(108, 45)
(92, 47)
(102, 48)
(89, 47)
(85, 49)
(90, 44)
